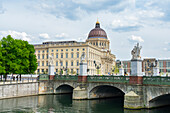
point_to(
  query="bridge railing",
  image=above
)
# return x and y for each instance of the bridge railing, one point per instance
(66, 77)
(43, 77)
(156, 80)
(115, 79)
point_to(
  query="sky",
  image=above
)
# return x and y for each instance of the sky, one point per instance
(126, 22)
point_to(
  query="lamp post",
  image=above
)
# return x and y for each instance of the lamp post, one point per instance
(61, 68)
(151, 65)
(113, 69)
(97, 67)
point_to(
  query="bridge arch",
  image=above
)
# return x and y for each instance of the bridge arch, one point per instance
(159, 101)
(105, 91)
(64, 87)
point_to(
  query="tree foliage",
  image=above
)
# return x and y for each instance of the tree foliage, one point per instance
(17, 56)
(2, 67)
(116, 70)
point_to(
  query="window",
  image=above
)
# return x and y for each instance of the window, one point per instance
(43, 51)
(38, 56)
(77, 55)
(52, 50)
(42, 63)
(57, 50)
(66, 55)
(42, 56)
(57, 55)
(77, 71)
(52, 54)
(160, 64)
(38, 63)
(71, 63)
(39, 51)
(56, 63)
(56, 70)
(47, 51)
(72, 55)
(61, 63)
(71, 49)
(77, 63)
(61, 49)
(167, 64)
(46, 70)
(77, 49)
(61, 55)
(83, 49)
(46, 63)
(66, 63)
(66, 49)
(71, 71)
(47, 56)
(38, 70)
(42, 70)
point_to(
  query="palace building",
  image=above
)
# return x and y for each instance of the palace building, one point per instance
(66, 54)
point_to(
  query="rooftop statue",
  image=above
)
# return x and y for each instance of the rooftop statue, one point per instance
(50, 61)
(136, 52)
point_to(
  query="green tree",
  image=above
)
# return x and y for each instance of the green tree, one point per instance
(116, 70)
(7, 55)
(2, 67)
(19, 56)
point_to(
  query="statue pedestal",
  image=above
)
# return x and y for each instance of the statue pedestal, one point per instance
(51, 71)
(83, 72)
(136, 67)
(121, 71)
(155, 71)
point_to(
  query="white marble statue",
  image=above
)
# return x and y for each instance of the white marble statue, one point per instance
(50, 61)
(83, 57)
(136, 52)
(121, 65)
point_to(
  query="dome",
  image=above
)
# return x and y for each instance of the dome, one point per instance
(97, 32)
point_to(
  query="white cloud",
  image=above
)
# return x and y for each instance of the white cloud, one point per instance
(16, 35)
(165, 49)
(44, 36)
(62, 35)
(134, 38)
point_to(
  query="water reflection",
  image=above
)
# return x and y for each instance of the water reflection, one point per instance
(64, 103)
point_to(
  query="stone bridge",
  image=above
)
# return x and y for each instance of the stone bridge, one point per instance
(147, 92)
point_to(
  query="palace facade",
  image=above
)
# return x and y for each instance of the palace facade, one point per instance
(67, 54)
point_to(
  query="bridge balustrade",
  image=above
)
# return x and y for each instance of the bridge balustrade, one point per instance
(147, 80)
(115, 79)
(66, 77)
(43, 77)
(156, 80)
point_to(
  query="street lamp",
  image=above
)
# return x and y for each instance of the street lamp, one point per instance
(113, 69)
(97, 67)
(150, 65)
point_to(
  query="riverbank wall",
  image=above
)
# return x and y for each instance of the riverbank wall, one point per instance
(19, 90)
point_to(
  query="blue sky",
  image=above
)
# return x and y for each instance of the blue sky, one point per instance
(126, 22)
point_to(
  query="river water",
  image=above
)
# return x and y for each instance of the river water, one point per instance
(65, 104)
